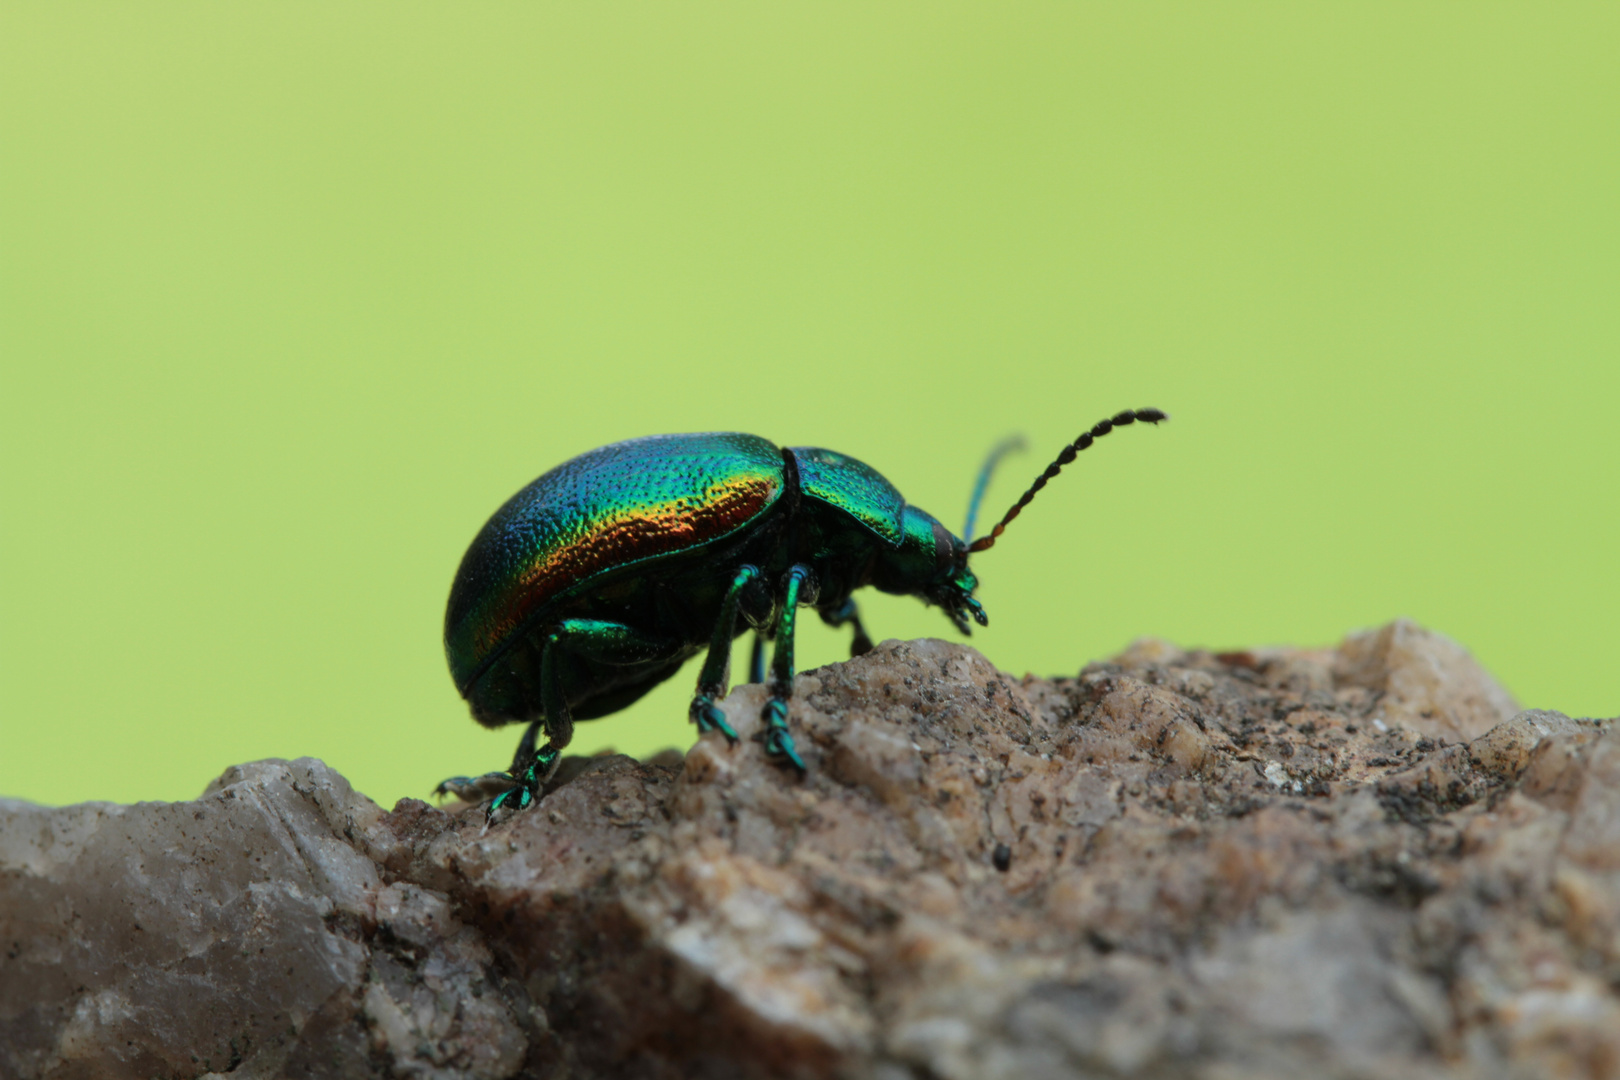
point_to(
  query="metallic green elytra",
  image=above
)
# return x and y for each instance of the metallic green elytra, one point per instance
(597, 581)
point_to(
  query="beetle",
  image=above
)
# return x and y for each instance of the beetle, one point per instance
(597, 581)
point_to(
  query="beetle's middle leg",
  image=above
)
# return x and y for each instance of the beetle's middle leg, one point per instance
(800, 585)
(756, 658)
(717, 664)
(846, 613)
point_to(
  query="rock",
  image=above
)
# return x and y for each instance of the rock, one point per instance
(249, 931)
(1353, 862)
(1429, 683)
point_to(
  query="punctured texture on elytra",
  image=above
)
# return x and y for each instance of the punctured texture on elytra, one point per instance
(602, 512)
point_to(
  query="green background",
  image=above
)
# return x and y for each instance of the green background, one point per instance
(293, 296)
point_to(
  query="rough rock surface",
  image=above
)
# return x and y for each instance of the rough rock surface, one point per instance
(1354, 862)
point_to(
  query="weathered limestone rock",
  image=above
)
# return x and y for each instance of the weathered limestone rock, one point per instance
(1355, 862)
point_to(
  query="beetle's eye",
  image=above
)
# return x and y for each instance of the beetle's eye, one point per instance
(944, 547)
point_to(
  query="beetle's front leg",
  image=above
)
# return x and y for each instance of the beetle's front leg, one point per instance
(844, 614)
(711, 685)
(800, 587)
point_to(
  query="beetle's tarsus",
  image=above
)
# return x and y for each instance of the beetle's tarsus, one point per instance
(778, 741)
(528, 789)
(710, 718)
(507, 803)
(779, 747)
(475, 789)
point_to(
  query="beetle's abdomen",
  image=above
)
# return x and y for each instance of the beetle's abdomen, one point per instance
(603, 511)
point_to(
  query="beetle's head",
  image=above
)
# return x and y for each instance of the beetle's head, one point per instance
(931, 564)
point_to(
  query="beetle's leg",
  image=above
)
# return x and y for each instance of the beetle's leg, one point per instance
(477, 789)
(716, 666)
(778, 742)
(474, 789)
(525, 748)
(605, 642)
(756, 659)
(559, 724)
(845, 613)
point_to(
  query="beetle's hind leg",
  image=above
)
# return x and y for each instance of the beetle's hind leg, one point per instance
(799, 587)
(525, 747)
(478, 788)
(847, 613)
(594, 639)
(711, 687)
(474, 789)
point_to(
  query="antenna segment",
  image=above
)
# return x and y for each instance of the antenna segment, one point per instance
(1006, 446)
(1098, 430)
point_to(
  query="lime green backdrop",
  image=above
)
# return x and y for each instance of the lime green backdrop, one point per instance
(292, 296)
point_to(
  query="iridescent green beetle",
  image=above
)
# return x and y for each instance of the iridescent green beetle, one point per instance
(601, 578)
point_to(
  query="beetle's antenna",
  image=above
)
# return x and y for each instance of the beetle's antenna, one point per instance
(1002, 449)
(1098, 430)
